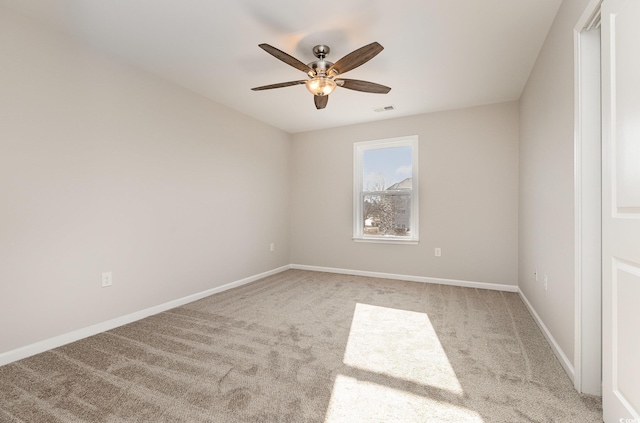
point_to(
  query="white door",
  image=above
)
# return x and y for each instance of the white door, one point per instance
(621, 210)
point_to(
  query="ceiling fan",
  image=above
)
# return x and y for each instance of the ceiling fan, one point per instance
(322, 73)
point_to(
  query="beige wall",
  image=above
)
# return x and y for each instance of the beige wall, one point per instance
(468, 197)
(105, 168)
(546, 180)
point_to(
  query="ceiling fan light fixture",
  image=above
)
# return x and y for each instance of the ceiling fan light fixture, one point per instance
(322, 73)
(321, 85)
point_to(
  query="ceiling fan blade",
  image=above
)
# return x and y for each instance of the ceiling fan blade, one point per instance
(364, 86)
(289, 60)
(356, 58)
(321, 101)
(279, 85)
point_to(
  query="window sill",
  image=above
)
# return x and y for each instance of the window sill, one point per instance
(389, 240)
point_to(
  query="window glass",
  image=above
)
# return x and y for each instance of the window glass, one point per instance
(385, 194)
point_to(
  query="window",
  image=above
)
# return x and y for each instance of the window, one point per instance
(385, 205)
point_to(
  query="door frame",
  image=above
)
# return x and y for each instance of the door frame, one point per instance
(587, 204)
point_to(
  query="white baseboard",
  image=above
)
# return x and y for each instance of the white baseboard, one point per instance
(76, 335)
(562, 357)
(424, 279)
(60, 340)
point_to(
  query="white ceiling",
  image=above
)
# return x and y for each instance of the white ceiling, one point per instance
(439, 54)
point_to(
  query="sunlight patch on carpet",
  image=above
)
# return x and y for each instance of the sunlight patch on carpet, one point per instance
(401, 344)
(360, 401)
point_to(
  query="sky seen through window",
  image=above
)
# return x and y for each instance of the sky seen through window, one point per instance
(392, 165)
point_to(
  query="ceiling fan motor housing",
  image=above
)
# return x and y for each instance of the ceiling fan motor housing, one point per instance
(321, 66)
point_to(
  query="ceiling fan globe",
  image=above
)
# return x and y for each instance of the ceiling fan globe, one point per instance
(321, 85)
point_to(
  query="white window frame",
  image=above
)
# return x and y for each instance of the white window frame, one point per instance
(358, 166)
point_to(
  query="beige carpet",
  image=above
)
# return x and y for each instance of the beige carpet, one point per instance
(308, 347)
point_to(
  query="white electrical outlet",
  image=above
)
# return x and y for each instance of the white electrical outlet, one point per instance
(546, 281)
(272, 247)
(438, 252)
(107, 279)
